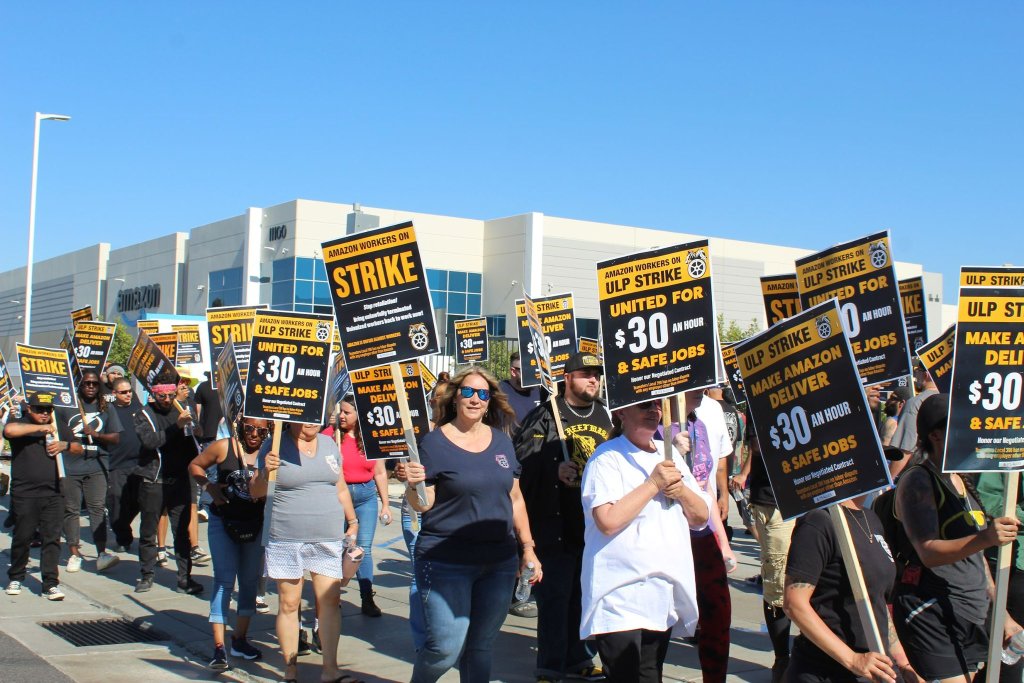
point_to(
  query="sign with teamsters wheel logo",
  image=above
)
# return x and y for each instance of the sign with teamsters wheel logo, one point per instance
(377, 406)
(810, 413)
(380, 296)
(288, 366)
(657, 323)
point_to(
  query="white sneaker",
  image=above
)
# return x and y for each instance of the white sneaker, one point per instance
(202, 515)
(105, 561)
(55, 594)
(13, 588)
(74, 563)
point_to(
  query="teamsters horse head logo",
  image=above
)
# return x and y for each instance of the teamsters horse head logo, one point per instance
(419, 336)
(696, 263)
(878, 254)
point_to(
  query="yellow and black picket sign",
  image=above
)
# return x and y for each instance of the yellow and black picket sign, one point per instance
(861, 275)
(589, 345)
(168, 343)
(732, 372)
(230, 389)
(6, 385)
(546, 329)
(781, 297)
(428, 377)
(232, 322)
(340, 383)
(937, 358)
(288, 366)
(46, 380)
(379, 409)
(380, 296)
(67, 343)
(471, 341)
(658, 323)
(150, 364)
(190, 348)
(150, 327)
(914, 316)
(81, 315)
(91, 343)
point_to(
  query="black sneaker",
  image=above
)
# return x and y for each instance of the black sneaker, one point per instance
(144, 585)
(240, 647)
(315, 645)
(190, 588)
(303, 648)
(220, 659)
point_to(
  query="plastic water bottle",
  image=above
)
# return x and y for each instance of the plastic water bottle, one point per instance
(523, 587)
(1012, 654)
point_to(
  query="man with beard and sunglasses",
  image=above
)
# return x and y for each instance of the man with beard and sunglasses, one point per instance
(122, 500)
(36, 497)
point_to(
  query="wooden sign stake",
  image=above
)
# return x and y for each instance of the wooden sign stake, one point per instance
(1002, 578)
(410, 435)
(558, 425)
(853, 571)
(59, 458)
(268, 510)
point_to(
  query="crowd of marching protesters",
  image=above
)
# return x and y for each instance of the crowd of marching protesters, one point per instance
(619, 524)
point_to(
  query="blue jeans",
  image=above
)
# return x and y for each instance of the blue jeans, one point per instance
(364, 500)
(464, 606)
(231, 560)
(419, 631)
(559, 648)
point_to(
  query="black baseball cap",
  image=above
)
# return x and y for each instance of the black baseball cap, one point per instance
(933, 413)
(583, 361)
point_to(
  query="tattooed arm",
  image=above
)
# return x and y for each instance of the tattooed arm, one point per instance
(797, 604)
(915, 506)
(899, 657)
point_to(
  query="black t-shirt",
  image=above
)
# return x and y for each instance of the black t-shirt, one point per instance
(206, 396)
(94, 460)
(471, 520)
(521, 401)
(760, 488)
(815, 558)
(33, 471)
(125, 455)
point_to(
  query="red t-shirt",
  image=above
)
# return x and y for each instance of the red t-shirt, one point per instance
(357, 469)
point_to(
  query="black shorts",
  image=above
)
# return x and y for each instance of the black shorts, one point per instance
(938, 643)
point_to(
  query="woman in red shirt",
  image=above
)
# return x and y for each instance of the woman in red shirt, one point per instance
(368, 484)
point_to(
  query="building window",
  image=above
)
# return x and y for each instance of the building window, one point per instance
(588, 327)
(300, 284)
(458, 292)
(225, 288)
(496, 325)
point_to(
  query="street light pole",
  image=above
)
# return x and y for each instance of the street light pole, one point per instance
(32, 217)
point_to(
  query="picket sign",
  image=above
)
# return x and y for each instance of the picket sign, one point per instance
(268, 510)
(1002, 578)
(410, 435)
(856, 576)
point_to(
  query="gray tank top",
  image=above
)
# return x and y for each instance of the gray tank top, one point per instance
(306, 506)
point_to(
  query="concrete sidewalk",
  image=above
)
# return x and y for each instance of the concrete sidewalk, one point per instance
(376, 650)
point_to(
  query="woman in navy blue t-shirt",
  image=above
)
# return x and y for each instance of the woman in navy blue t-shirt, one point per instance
(466, 558)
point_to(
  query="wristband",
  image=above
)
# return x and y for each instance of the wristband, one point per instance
(352, 521)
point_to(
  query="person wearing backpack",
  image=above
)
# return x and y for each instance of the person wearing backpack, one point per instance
(941, 599)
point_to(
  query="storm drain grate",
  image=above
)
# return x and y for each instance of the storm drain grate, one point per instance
(102, 632)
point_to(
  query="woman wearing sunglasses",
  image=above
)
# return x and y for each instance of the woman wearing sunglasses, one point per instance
(234, 533)
(466, 555)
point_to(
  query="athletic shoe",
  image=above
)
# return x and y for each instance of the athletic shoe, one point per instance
(54, 594)
(240, 647)
(74, 563)
(261, 605)
(161, 557)
(13, 588)
(190, 588)
(220, 659)
(303, 648)
(105, 561)
(526, 609)
(315, 645)
(144, 585)
(199, 556)
(588, 673)
(123, 548)
(202, 514)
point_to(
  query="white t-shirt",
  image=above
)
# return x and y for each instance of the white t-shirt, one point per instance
(711, 414)
(641, 577)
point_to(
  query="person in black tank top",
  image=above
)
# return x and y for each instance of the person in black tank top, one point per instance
(233, 533)
(941, 599)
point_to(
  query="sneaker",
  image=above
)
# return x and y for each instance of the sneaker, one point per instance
(144, 585)
(220, 659)
(161, 557)
(303, 648)
(526, 609)
(13, 588)
(588, 673)
(202, 514)
(315, 645)
(105, 561)
(199, 556)
(261, 605)
(120, 548)
(240, 647)
(74, 563)
(190, 588)
(54, 594)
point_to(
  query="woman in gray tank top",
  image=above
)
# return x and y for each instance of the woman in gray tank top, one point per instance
(307, 529)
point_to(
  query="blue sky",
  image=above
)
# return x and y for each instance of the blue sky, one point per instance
(799, 123)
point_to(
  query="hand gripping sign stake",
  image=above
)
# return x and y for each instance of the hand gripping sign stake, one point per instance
(59, 458)
(856, 576)
(410, 434)
(1002, 578)
(268, 510)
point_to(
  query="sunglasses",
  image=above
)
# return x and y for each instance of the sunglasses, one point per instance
(123, 391)
(90, 383)
(170, 394)
(261, 432)
(467, 392)
(41, 410)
